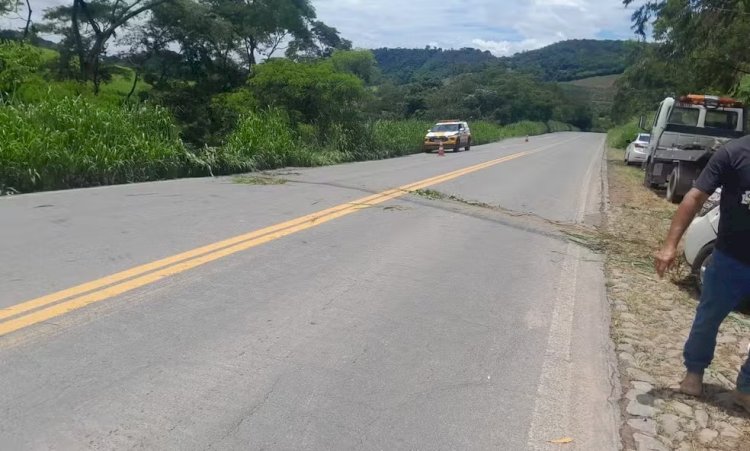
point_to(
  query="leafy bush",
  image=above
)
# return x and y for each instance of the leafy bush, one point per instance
(310, 92)
(266, 140)
(71, 143)
(618, 137)
(19, 64)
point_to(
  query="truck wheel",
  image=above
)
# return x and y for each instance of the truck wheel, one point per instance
(681, 181)
(458, 146)
(468, 145)
(672, 187)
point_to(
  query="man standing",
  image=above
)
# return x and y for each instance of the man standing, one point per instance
(727, 279)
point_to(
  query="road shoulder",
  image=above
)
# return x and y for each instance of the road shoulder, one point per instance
(650, 321)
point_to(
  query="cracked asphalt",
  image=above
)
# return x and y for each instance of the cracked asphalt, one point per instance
(409, 323)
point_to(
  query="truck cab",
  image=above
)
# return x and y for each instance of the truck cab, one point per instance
(684, 134)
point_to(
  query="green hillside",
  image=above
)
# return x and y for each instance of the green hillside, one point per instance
(563, 61)
(599, 92)
(405, 65)
(574, 59)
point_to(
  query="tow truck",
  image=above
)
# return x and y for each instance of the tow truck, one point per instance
(685, 133)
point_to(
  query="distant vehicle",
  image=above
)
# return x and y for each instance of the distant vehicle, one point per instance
(684, 134)
(453, 134)
(637, 151)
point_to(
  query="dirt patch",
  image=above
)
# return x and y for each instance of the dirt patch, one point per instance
(651, 320)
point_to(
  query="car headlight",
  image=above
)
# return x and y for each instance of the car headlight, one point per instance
(713, 201)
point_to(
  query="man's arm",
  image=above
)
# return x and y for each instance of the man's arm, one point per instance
(712, 177)
(691, 204)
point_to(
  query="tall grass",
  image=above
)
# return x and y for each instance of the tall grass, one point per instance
(266, 140)
(395, 138)
(618, 137)
(69, 143)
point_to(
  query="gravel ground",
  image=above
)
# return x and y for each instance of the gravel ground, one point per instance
(651, 320)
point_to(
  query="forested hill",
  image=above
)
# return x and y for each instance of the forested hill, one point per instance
(574, 60)
(563, 61)
(405, 65)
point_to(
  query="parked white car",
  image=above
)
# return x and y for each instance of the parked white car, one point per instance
(637, 151)
(701, 237)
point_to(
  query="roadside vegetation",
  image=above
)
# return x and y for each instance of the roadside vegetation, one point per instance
(620, 136)
(197, 88)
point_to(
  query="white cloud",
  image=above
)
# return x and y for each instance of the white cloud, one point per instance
(503, 27)
(502, 48)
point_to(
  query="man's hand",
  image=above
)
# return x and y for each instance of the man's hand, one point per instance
(664, 260)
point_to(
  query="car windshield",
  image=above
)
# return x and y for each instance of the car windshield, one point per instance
(445, 128)
(644, 138)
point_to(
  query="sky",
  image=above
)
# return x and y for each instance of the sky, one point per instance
(504, 27)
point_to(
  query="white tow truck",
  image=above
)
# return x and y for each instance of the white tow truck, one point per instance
(684, 134)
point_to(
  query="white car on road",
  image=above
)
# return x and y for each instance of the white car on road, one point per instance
(637, 151)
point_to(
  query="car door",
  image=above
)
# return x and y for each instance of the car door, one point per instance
(464, 133)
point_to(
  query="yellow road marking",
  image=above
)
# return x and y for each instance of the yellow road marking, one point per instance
(122, 282)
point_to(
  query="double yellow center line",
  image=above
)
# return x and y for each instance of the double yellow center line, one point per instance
(53, 305)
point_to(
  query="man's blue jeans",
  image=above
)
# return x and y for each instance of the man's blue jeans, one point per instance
(726, 284)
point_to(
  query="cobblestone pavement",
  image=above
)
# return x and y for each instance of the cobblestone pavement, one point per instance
(651, 320)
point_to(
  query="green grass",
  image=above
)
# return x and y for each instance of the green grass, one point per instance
(70, 143)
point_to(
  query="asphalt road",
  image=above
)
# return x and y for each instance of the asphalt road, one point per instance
(386, 320)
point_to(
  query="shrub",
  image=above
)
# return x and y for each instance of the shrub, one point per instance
(618, 137)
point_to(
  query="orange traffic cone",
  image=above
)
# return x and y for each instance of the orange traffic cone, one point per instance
(441, 150)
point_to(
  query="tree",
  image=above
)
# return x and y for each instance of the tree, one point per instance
(14, 6)
(319, 41)
(312, 93)
(88, 26)
(261, 26)
(706, 36)
(358, 62)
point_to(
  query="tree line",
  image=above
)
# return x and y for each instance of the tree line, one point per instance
(696, 46)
